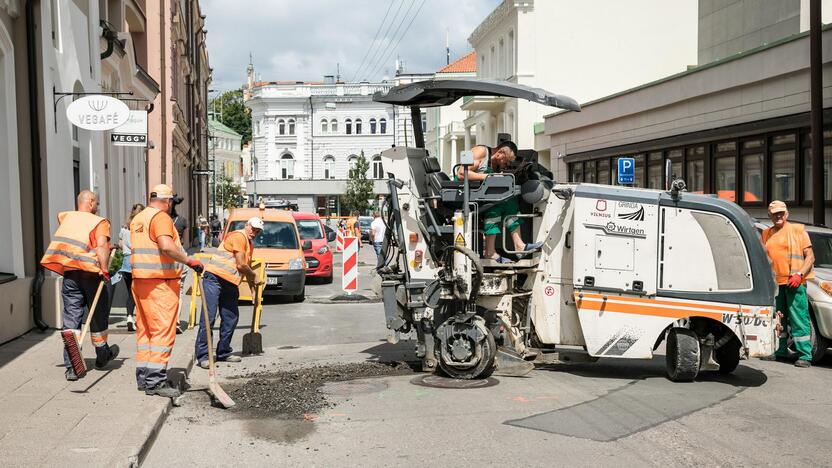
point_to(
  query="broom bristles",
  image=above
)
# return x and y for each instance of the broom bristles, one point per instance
(74, 352)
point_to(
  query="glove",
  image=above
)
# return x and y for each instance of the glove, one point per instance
(105, 276)
(795, 280)
(195, 264)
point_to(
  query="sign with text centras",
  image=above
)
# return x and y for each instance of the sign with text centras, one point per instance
(97, 112)
(626, 171)
(133, 132)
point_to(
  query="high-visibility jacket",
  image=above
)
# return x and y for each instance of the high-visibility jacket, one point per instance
(70, 248)
(223, 263)
(785, 249)
(146, 259)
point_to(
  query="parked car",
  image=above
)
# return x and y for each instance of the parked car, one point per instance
(319, 255)
(365, 222)
(819, 289)
(279, 245)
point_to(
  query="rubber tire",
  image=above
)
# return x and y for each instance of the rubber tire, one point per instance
(682, 355)
(300, 297)
(819, 343)
(328, 280)
(482, 370)
(728, 356)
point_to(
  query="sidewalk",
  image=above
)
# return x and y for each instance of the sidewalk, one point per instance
(100, 420)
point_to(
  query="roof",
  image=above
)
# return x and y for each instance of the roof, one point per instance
(466, 64)
(215, 124)
(305, 215)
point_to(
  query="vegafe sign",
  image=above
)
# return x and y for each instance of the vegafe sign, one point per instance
(132, 133)
(97, 112)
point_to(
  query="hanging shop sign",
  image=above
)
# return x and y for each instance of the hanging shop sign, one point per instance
(97, 112)
(133, 132)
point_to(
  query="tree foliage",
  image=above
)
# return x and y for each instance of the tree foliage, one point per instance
(359, 188)
(231, 111)
(229, 194)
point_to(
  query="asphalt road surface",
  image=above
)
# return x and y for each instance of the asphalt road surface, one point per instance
(609, 413)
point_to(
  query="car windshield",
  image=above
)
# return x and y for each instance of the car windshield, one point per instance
(822, 247)
(275, 235)
(365, 222)
(309, 229)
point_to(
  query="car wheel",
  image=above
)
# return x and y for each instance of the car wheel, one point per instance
(819, 343)
(328, 279)
(300, 297)
(682, 355)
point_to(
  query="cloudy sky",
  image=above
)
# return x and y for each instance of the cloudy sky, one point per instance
(293, 40)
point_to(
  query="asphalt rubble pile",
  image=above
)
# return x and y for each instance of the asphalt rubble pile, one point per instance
(297, 393)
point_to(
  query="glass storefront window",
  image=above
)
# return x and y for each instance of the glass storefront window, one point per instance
(724, 147)
(589, 172)
(752, 177)
(639, 182)
(696, 176)
(725, 178)
(654, 176)
(604, 171)
(783, 139)
(614, 172)
(752, 144)
(577, 172)
(783, 181)
(807, 173)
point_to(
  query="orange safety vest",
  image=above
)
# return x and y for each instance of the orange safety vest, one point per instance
(70, 248)
(785, 267)
(223, 263)
(146, 259)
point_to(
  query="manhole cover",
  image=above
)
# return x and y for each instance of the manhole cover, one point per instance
(437, 381)
(353, 387)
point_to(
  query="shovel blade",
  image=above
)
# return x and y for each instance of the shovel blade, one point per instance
(511, 364)
(253, 343)
(220, 396)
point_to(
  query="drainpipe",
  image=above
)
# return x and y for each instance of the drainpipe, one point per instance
(34, 134)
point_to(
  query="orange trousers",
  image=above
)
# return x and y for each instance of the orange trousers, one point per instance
(157, 311)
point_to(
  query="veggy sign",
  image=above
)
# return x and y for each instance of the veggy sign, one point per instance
(97, 112)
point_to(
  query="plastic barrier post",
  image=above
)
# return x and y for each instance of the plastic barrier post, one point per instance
(349, 277)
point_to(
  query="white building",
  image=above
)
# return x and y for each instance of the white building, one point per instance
(582, 49)
(224, 158)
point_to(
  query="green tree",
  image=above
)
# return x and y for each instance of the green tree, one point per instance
(359, 188)
(229, 194)
(231, 111)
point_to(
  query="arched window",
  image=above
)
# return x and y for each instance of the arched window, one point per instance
(324, 126)
(329, 167)
(291, 126)
(378, 170)
(352, 162)
(502, 59)
(358, 126)
(510, 53)
(373, 126)
(287, 166)
(281, 127)
(333, 126)
(382, 126)
(348, 126)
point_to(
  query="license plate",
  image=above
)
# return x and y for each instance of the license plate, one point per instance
(271, 280)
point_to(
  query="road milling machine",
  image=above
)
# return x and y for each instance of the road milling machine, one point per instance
(621, 271)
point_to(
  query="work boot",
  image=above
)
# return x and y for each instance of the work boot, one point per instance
(231, 358)
(130, 323)
(203, 364)
(70, 375)
(773, 357)
(105, 354)
(179, 329)
(164, 389)
(802, 363)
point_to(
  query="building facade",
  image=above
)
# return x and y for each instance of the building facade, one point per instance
(737, 127)
(225, 160)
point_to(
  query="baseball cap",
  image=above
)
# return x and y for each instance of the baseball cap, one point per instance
(161, 191)
(777, 206)
(255, 222)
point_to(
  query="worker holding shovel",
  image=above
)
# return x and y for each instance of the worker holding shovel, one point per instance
(79, 251)
(223, 274)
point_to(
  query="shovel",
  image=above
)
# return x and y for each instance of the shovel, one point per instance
(213, 386)
(253, 340)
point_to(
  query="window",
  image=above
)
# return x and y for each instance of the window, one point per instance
(382, 126)
(373, 126)
(287, 166)
(378, 170)
(358, 126)
(639, 170)
(604, 171)
(281, 127)
(576, 173)
(675, 157)
(324, 126)
(258, 128)
(348, 126)
(275, 234)
(424, 121)
(510, 53)
(352, 162)
(807, 173)
(310, 229)
(753, 156)
(695, 180)
(725, 170)
(589, 172)
(783, 180)
(329, 167)
(654, 170)
(291, 126)
(502, 56)
(333, 126)
(614, 171)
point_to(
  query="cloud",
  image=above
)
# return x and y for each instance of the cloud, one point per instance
(292, 40)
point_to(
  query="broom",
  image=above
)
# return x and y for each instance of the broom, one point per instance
(219, 394)
(73, 344)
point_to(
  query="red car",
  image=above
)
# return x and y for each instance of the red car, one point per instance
(319, 257)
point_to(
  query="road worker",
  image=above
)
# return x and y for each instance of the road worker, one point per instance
(353, 226)
(157, 250)
(221, 279)
(790, 250)
(80, 252)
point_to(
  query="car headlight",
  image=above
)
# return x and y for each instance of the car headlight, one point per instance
(323, 250)
(296, 264)
(826, 286)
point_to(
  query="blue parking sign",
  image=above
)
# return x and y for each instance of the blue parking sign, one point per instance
(626, 171)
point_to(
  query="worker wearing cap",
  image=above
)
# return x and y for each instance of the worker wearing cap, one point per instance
(790, 251)
(157, 253)
(80, 252)
(223, 274)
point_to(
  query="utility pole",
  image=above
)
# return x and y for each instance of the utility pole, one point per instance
(816, 96)
(447, 49)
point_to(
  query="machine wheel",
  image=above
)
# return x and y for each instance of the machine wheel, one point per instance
(482, 370)
(300, 297)
(728, 356)
(682, 355)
